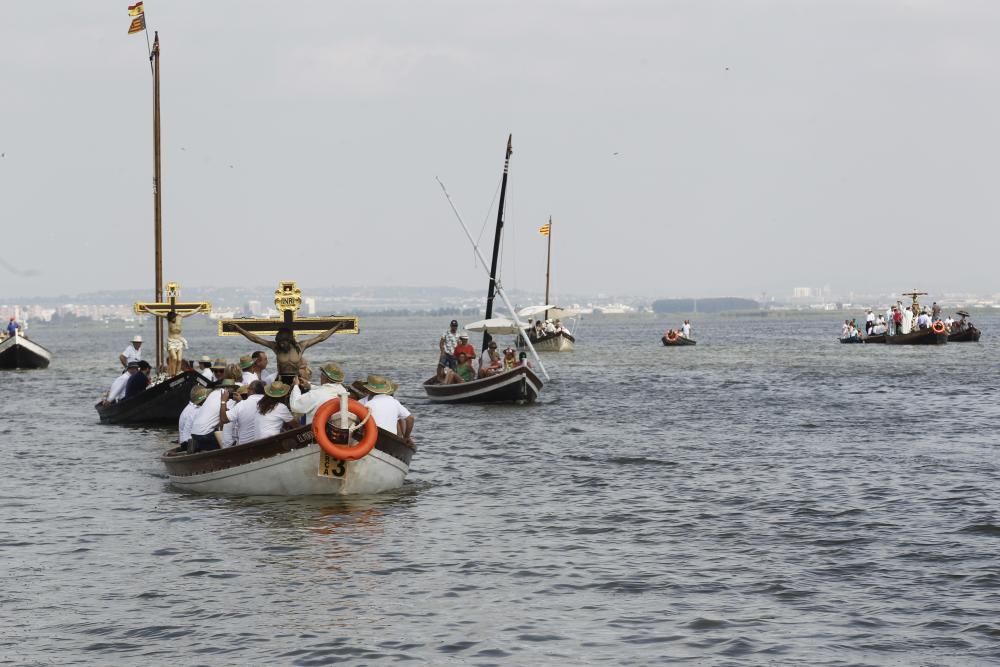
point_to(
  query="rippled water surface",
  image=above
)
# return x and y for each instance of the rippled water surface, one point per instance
(767, 497)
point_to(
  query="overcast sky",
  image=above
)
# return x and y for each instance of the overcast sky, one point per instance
(690, 148)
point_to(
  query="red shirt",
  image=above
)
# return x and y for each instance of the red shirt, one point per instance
(470, 351)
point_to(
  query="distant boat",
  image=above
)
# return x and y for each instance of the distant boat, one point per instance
(560, 340)
(968, 335)
(18, 352)
(677, 340)
(161, 403)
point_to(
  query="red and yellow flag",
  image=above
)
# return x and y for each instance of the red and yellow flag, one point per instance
(135, 10)
(138, 24)
(545, 229)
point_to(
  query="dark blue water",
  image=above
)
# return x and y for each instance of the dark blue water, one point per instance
(767, 497)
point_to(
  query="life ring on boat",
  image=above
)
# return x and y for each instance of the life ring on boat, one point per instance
(341, 452)
(671, 335)
(938, 327)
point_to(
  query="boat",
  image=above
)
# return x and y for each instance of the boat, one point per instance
(19, 352)
(679, 340)
(516, 385)
(969, 334)
(164, 399)
(160, 403)
(290, 464)
(930, 336)
(560, 340)
(874, 338)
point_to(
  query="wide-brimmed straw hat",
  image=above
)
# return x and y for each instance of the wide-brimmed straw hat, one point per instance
(243, 390)
(199, 394)
(205, 359)
(332, 371)
(228, 383)
(136, 339)
(246, 361)
(277, 389)
(219, 364)
(379, 384)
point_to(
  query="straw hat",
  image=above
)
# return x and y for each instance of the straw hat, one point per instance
(379, 384)
(205, 359)
(219, 364)
(228, 383)
(332, 372)
(243, 390)
(277, 389)
(135, 339)
(199, 394)
(246, 361)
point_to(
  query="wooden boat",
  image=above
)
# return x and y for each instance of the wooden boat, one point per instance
(969, 334)
(874, 338)
(518, 385)
(557, 341)
(161, 403)
(560, 341)
(290, 464)
(918, 337)
(19, 352)
(852, 339)
(679, 341)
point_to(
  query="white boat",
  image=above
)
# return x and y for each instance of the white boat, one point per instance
(560, 340)
(290, 464)
(19, 352)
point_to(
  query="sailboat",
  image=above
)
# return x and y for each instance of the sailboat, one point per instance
(164, 401)
(546, 336)
(518, 384)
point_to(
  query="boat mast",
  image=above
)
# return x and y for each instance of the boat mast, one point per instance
(154, 56)
(548, 265)
(496, 242)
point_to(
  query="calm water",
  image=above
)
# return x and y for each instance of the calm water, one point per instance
(768, 497)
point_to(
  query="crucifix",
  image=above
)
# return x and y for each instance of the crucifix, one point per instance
(287, 349)
(915, 308)
(173, 310)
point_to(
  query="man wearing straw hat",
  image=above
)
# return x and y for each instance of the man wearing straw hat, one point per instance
(246, 366)
(132, 352)
(205, 367)
(330, 376)
(388, 413)
(198, 396)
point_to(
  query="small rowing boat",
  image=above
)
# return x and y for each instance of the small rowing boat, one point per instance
(18, 352)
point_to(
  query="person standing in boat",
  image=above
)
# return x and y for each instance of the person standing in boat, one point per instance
(685, 328)
(330, 386)
(389, 414)
(935, 311)
(869, 321)
(446, 348)
(131, 353)
(12, 327)
(907, 320)
(290, 352)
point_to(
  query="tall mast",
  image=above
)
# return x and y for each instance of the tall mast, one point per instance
(157, 219)
(496, 242)
(548, 265)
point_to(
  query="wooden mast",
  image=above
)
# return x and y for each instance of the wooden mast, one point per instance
(548, 265)
(496, 242)
(154, 56)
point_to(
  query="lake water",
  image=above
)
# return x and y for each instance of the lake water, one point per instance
(767, 497)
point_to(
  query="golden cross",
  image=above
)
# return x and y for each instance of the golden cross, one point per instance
(172, 305)
(288, 300)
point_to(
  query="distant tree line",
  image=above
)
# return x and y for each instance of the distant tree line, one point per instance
(715, 305)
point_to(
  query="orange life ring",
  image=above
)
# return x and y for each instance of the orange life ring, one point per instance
(341, 452)
(671, 336)
(938, 327)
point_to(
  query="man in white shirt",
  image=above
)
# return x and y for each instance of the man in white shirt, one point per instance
(205, 367)
(388, 413)
(244, 414)
(869, 320)
(907, 320)
(447, 344)
(132, 352)
(686, 329)
(206, 420)
(246, 365)
(330, 387)
(923, 320)
(890, 323)
(117, 391)
(198, 395)
(260, 368)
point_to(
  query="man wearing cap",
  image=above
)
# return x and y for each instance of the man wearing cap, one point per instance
(132, 352)
(244, 414)
(330, 387)
(246, 365)
(465, 346)
(388, 413)
(139, 381)
(205, 367)
(117, 391)
(198, 395)
(447, 345)
(12, 326)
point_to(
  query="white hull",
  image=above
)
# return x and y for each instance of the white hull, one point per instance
(19, 352)
(295, 473)
(554, 344)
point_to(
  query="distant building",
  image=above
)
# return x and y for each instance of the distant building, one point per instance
(310, 304)
(804, 292)
(252, 308)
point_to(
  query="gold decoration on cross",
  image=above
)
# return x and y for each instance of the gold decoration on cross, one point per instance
(162, 309)
(288, 300)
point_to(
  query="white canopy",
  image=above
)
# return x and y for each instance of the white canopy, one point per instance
(494, 325)
(555, 312)
(531, 311)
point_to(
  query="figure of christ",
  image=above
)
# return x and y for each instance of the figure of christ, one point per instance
(176, 343)
(288, 351)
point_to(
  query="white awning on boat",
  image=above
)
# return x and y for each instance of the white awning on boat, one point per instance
(555, 312)
(531, 311)
(494, 325)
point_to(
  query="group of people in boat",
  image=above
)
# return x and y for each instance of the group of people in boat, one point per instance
(457, 359)
(684, 331)
(899, 319)
(539, 329)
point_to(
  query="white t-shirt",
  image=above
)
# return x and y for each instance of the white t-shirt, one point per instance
(117, 391)
(386, 411)
(244, 418)
(686, 330)
(271, 423)
(184, 424)
(249, 377)
(132, 354)
(267, 377)
(229, 428)
(207, 417)
(318, 394)
(485, 360)
(207, 372)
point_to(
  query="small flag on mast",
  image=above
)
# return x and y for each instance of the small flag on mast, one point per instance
(135, 10)
(545, 229)
(138, 24)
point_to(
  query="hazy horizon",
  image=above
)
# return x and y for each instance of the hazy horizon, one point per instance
(681, 149)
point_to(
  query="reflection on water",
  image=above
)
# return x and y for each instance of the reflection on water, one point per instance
(766, 497)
